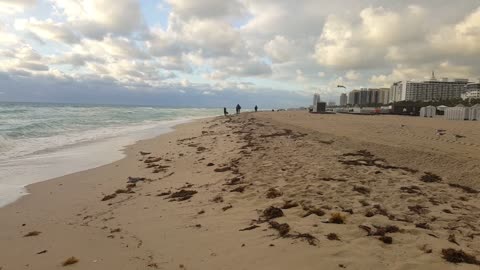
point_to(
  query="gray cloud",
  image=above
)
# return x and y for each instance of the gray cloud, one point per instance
(214, 47)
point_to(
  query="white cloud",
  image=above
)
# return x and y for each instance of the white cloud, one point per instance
(207, 8)
(280, 49)
(15, 6)
(96, 18)
(47, 29)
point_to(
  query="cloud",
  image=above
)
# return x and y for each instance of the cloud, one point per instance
(245, 45)
(207, 8)
(96, 18)
(47, 29)
(15, 6)
(280, 49)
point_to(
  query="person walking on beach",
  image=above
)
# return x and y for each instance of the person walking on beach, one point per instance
(238, 108)
(256, 108)
(225, 111)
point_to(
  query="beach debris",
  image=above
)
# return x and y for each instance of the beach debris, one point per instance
(423, 225)
(337, 218)
(379, 230)
(277, 134)
(42, 252)
(328, 179)
(418, 209)
(223, 169)
(440, 132)
(210, 164)
(109, 197)
(134, 180)
(240, 189)
(411, 189)
(312, 240)
(233, 181)
(144, 153)
(152, 159)
(386, 239)
(426, 248)
(282, 228)
(131, 185)
(458, 256)
(182, 195)
(272, 212)
(452, 239)
(365, 158)
(273, 193)
(249, 228)
(429, 177)
(70, 261)
(363, 202)
(115, 230)
(153, 265)
(225, 208)
(333, 237)
(465, 188)
(217, 199)
(122, 191)
(312, 210)
(165, 193)
(201, 149)
(458, 136)
(32, 233)
(361, 189)
(289, 204)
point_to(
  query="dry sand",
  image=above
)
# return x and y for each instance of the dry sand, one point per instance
(210, 179)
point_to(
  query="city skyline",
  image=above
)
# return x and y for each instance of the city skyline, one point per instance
(216, 53)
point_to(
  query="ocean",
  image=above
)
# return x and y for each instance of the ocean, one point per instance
(41, 141)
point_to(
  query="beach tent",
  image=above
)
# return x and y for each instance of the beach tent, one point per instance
(441, 108)
(475, 112)
(429, 111)
(459, 112)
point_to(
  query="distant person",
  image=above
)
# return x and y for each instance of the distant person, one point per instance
(273, 110)
(225, 111)
(238, 108)
(256, 108)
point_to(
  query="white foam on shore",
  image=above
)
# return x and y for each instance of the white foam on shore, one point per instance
(17, 173)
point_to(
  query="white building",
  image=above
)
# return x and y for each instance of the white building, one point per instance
(428, 90)
(343, 99)
(472, 91)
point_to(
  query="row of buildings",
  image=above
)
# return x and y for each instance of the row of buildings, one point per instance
(431, 90)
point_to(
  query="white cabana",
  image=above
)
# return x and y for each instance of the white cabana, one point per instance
(475, 112)
(459, 112)
(429, 111)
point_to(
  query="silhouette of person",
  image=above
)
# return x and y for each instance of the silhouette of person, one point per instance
(238, 108)
(225, 111)
(256, 108)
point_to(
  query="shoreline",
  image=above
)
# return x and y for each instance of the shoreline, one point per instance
(207, 184)
(105, 151)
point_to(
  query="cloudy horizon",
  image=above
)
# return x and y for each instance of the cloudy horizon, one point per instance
(216, 52)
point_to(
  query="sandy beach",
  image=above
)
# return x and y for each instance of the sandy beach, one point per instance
(267, 190)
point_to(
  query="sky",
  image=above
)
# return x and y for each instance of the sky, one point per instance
(215, 53)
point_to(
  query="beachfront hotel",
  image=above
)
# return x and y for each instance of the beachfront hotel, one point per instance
(472, 91)
(430, 90)
(366, 96)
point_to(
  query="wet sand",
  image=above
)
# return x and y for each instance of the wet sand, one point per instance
(283, 190)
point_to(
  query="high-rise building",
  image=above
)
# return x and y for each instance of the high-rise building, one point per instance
(430, 90)
(472, 91)
(343, 99)
(368, 96)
